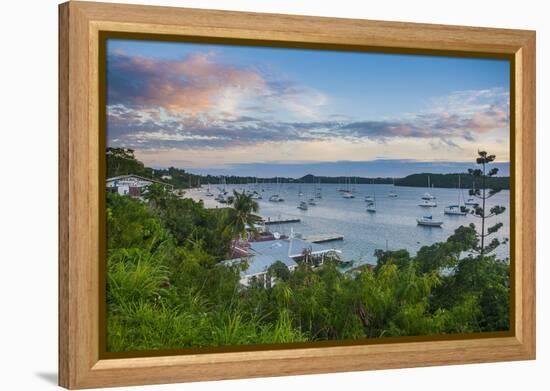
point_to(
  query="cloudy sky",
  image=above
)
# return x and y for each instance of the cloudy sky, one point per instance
(288, 112)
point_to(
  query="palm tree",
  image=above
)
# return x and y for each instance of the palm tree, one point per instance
(242, 215)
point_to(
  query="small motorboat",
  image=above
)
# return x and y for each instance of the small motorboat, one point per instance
(428, 221)
(371, 207)
(391, 194)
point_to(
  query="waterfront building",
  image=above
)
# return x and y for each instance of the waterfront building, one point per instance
(132, 185)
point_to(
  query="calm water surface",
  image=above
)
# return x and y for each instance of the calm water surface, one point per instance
(393, 226)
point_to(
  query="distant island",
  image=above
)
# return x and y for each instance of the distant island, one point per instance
(121, 161)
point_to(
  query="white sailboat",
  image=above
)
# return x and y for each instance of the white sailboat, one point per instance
(428, 221)
(427, 204)
(208, 192)
(371, 206)
(392, 194)
(256, 196)
(347, 193)
(319, 193)
(311, 200)
(471, 201)
(276, 197)
(427, 195)
(456, 210)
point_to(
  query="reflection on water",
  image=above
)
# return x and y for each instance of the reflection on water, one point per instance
(393, 226)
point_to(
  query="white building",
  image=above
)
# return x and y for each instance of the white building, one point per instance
(132, 185)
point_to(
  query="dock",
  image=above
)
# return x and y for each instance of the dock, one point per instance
(323, 238)
(269, 221)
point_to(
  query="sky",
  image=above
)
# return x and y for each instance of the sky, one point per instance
(262, 111)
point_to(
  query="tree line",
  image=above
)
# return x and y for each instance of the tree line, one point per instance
(122, 161)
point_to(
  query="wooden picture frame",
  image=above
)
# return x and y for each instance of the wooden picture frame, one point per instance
(81, 364)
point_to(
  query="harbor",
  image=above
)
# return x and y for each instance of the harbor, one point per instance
(347, 225)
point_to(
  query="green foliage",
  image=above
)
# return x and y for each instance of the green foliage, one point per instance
(167, 287)
(242, 215)
(121, 161)
(450, 181)
(131, 224)
(279, 270)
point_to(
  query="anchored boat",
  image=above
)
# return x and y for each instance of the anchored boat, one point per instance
(392, 194)
(428, 221)
(428, 196)
(276, 198)
(302, 205)
(371, 206)
(428, 204)
(456, 210)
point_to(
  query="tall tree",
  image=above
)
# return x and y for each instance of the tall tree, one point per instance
(483, 194)
(157, 195)
(121, 161)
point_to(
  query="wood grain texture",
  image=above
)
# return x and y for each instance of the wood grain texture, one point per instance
(79, 184)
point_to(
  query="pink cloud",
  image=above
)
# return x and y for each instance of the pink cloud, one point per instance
(188, 86)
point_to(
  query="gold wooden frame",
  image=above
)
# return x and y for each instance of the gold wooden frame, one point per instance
(80, 149)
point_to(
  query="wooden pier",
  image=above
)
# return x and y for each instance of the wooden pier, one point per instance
(269, 221)
(322, 238)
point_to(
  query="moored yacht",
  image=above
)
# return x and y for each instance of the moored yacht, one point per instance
(471, 202)
(455, 210)
(428, 221)
(276, 198)
(427, 204)
(427, 195)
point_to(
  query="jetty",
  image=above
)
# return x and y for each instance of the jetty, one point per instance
(273, 221)
(323, 238)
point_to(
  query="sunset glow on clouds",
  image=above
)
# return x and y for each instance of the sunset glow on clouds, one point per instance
(201, 106)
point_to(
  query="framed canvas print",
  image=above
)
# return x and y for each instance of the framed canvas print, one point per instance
(247, 195)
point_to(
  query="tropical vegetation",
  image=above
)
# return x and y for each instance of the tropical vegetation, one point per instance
(168, 287)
